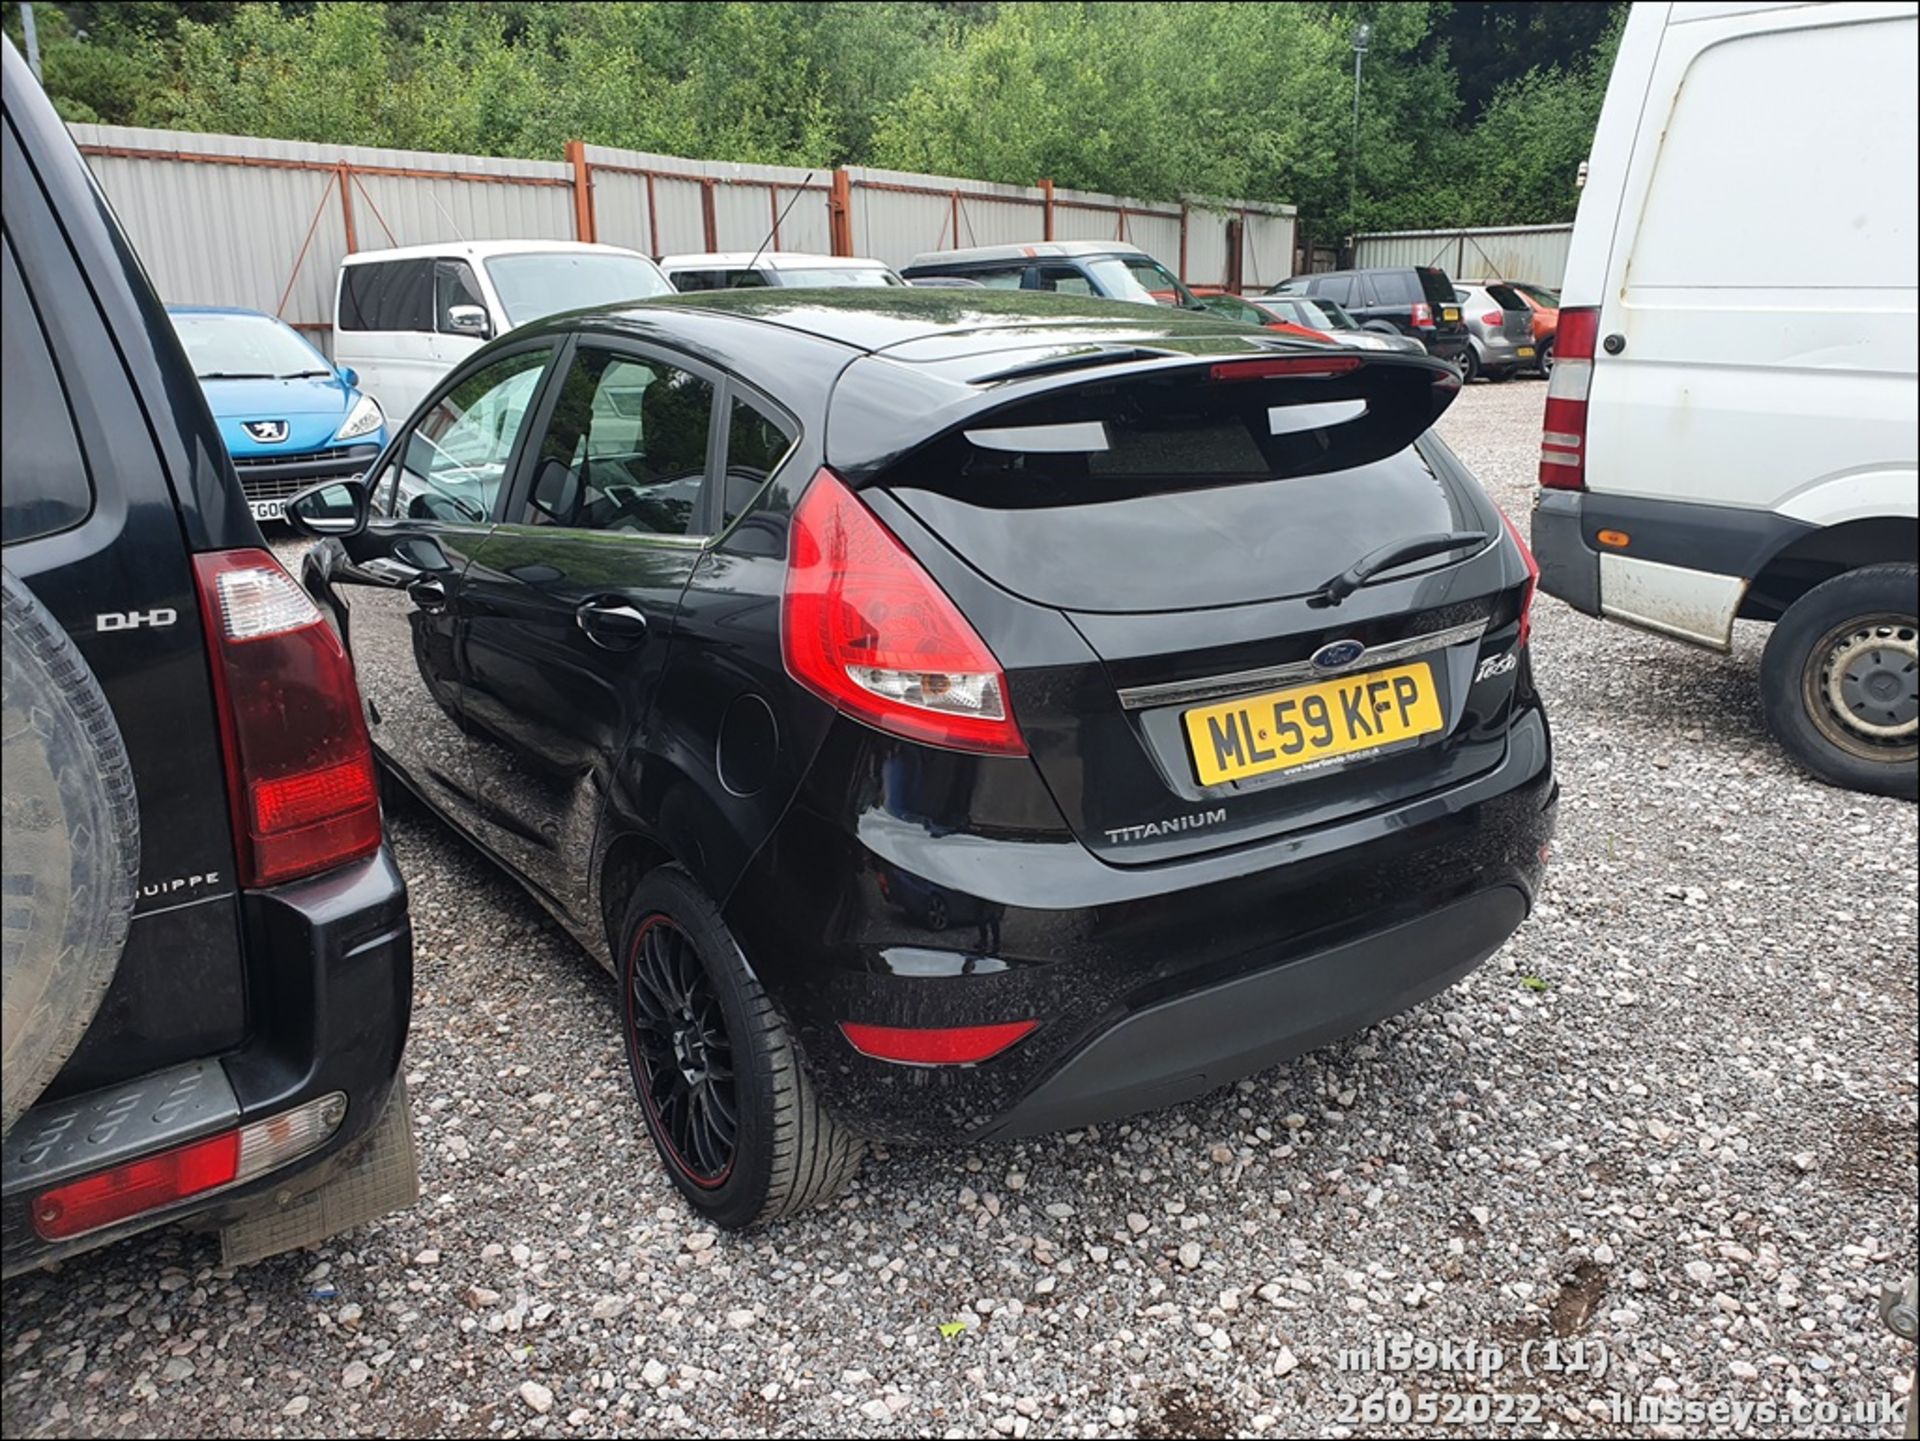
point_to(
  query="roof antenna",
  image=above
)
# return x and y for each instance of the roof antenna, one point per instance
(798, 191)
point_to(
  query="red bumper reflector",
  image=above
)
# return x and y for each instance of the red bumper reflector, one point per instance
(938, 1046)
(137, 1187)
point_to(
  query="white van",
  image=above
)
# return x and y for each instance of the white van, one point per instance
(1731, 424)
(404, 318)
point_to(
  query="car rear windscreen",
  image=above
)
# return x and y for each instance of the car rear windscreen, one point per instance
(1506, 297)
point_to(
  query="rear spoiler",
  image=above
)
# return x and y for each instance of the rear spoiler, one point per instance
(883, 410)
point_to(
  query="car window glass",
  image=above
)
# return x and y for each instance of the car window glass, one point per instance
(43, 474)
(1337, 288)
(1506, 297)
(453, 461)
(1395, 287)
(1008, 279)
(755, 444)
(387, 295)
(454, 283)
(626, 450)
(1064, 280)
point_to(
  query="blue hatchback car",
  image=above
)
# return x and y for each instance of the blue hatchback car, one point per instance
(289, 418)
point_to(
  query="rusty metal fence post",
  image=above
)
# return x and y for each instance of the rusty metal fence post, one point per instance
(840, 213)
(583, 218)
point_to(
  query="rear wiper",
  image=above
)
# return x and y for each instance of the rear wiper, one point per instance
(1398, 552)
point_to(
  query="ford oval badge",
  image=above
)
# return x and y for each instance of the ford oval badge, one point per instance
(1337, 654)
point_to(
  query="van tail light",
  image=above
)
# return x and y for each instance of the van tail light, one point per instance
(1563, 437)
(299, 767)
(934, 1046)
(1532, 586)
(212, 1163)
(1422, 315)
(866, 629)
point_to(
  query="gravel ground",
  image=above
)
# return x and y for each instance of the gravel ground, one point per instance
(1673, 1120)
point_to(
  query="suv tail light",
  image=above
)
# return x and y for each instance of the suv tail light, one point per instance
(1422, 315)
(865, 628)
(1563, 437)
(299, 767)
(1532, 586)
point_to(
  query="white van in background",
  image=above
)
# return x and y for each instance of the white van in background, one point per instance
(404, 318)
(1731, 423)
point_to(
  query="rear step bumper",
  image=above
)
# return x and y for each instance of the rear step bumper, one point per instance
(330, 978)
(1195, 1043)
(876, 918)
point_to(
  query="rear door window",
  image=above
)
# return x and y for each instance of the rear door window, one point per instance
(44, 486)
(756, 443)
(1007, 279)
(387, 295)
(626, 449)
(1064, 280)
(1398, 287)
(1336, 287)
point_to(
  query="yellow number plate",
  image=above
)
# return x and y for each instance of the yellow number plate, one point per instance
(1285, 728)
(1449, 313)
(1525, 352)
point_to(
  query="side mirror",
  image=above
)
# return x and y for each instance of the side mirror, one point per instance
(333, 507)
(469, 320)
(350, 376)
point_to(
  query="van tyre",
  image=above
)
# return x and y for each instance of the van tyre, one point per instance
(1838, 681)
(720, 1084)
(71, 848)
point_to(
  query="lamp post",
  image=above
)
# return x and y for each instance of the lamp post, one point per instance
(1362, 33)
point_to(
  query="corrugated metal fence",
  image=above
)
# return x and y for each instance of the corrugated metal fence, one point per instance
(1536, 253)
(237, 220)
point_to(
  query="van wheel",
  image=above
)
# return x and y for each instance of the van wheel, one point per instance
(721, 1087)
(1840, 680)
(71, 844)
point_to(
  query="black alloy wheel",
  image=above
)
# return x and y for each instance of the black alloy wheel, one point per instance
(682, 1058)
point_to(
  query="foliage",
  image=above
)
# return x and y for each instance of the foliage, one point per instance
(1249, 101)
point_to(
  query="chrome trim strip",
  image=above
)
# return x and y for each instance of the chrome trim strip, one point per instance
(1178, 692)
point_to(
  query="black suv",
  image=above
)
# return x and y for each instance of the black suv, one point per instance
(953, 713)
(208, 962)
(1416, 300)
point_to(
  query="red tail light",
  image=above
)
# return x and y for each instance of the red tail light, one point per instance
(1268, 367)
(299, 768)
(1533, 580)
(1422, 315)
(867, 630)
(1493, 319)
(1563, 437)
(934, 1046)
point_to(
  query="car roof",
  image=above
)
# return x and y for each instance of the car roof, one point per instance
(950, 322)
(771, 259)
(485, 249)
(1032, 250)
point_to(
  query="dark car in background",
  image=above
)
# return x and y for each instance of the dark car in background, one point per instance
(1499, 330)
(1108, 269)
(953, 714)
(1325, 317)
(208, 959)
(1415, 300)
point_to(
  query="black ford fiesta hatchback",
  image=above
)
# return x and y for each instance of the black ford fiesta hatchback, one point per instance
(953, 714)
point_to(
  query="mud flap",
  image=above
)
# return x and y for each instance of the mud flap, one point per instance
(384, 1176)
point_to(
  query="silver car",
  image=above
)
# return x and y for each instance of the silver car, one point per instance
(1499, 331)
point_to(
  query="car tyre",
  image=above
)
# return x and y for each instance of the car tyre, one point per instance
(1838, 681)
(1469, 366)
(1546, 359)
(720, 1083)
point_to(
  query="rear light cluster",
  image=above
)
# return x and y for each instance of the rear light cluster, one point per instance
(1563, 439)
(1271, 367)
(1494, 319)
(865, 628)
(195, 1169)
(1422, 315)
(1532, 586)
(299, 767)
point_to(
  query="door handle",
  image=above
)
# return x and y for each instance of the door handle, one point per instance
(611, 622)
(429, 593)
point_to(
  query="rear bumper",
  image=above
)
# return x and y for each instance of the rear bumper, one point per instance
(330, 982)
(1149, 984)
